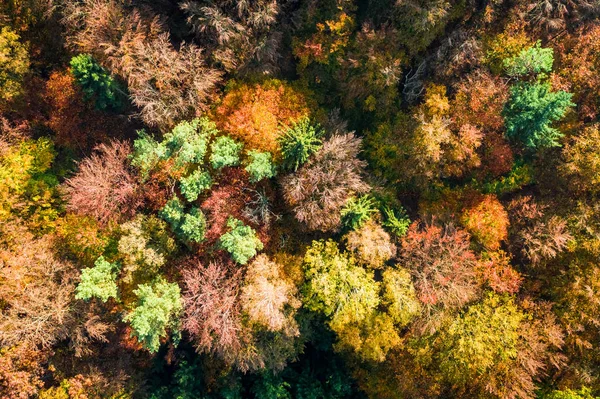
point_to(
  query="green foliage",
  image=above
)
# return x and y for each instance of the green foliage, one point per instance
(349, 296)
(357, 211)
(396, 221)
(186, 143)
(96, 82)
(158, 308)
(189, 226)
(225, 152)
(172, 213)
(335, 285)
(530, 61)
(193, 225)
(241, 241)
(519, 176)
(270, 386)
(299, 142)
(14, 64)
(530, 112)
(98, 281)
(146, 152)
(194, 184)
(260, 166)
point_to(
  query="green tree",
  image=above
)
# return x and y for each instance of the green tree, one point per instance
(96, 82)
(299, 142)
(190, 226)
(28, 185)
(530, 112)
(271, 386)
(172, 213)
(397, 222)
(349, 296)
(98, 281)
(240, 241)
(193, 225)
(260, 166)
(530, 61)
(186, 143)
(583, 393)
(225, 152)
(194, 184)
(158, 308)
(14, 64)
(357, 211)
(335, 285)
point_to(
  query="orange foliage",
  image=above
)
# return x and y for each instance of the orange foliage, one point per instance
(256, 113)
(76, 123)
(21, 371)
(479, 102)
(487, 222)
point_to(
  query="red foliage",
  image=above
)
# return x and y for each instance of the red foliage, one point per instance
(104, 187)
(441, 263)
(498, 274)
(479, 102)
(228, 198)
(497, 157)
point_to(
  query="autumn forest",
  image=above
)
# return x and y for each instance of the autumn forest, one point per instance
(299, 199)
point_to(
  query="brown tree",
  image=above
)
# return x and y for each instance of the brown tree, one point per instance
(534, 234)
(166, 84)
(268, 298)
(320, 188)
(37, 290)
(238, 34)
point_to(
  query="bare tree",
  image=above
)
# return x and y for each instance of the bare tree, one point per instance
(266, 296)
(535, 234)
(37, 293)
(212, 311)
(239, 34)
(104, 187)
